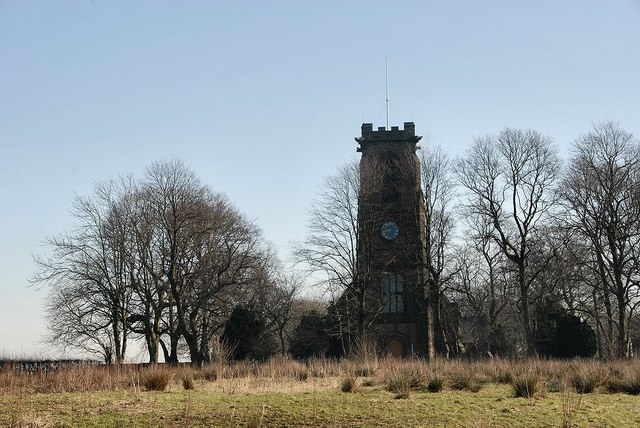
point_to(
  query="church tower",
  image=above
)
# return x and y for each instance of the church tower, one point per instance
(391, 236)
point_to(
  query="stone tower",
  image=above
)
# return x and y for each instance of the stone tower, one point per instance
(391, 239)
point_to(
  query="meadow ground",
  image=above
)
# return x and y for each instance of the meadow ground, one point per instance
(323, 393)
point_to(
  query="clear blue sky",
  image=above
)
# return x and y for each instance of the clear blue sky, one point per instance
(262, 99)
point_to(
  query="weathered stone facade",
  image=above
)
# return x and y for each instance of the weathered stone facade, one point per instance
(391, 241)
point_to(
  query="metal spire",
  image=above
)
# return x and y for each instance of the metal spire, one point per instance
(386, 84)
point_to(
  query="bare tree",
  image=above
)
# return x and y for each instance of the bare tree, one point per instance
(601, 194)
(482, 285)
(151, 309)
(165, 257)
(438, 191)
(339, 249)
(279, 304)
(211, 256)
(89, 275)
(509, 180)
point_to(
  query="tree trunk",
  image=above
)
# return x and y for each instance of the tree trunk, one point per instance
(283, 351)
(438, 330)
(526, 319)
(119, 340)
(622, 336)
(431, 331)
(152, 347)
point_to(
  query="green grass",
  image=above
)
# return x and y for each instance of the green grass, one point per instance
(494, 405)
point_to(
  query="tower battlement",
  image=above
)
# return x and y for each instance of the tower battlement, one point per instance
(395, 134)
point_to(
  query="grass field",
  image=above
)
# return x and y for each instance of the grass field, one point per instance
(280, 393)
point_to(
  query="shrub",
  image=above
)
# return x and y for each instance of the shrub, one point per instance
(434, 383)
(474, 386)
(349, 384)
(369, 382)
(400, 385)
(500, 371)
(555, 384)
(246, 331)
(302, 374)
(156, 379)
(526, 385)
(365, 352)
(627, 381)
(402, 382)
(561, 334)
(465, 379)
(188, 383)
(311, 336)
(584, 383)
(211, 374)
(363, 372)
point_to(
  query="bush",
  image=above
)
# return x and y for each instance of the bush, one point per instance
(434, 383)
(561, 334)
(188, 383)
(369, 382)
(310, 337)
(500, 371)
(474, 386)
(402, 382)
(526, 385)
(302, 374)
(363, 372)
(555, 384)
(400, 385)
(156, 379)
(465, 379)
(627, 381)
(349, 384)
(246, 333)
(211, 374)
(584, 383)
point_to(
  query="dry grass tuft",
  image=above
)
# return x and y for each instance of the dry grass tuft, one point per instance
(366, 355)
(527, 385)
(624, 379)
(499, 370)
(405, 378)
(465, 377)
(188, 383)
(400, 385)
(156, 378)
(435, 382)
(349, 384)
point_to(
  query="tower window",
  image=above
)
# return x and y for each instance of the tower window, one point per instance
(392, 293)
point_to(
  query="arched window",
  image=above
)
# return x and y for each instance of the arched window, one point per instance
(392, 293)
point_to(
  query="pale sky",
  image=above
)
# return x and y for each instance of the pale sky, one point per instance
(263, 99)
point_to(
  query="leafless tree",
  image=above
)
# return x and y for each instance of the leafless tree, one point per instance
(338, 249)
(482, 283)
(161, 258)
(438, 191)
(152, 311)
(211, 256)
(509, 180)
(279, 306)
(601, 194)
(89, 275)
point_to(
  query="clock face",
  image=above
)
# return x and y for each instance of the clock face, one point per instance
(389, 230)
